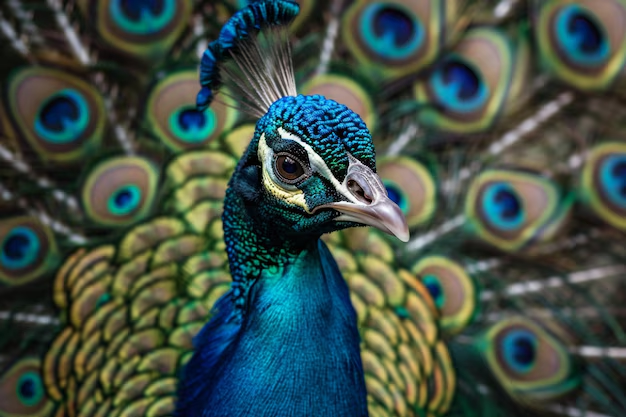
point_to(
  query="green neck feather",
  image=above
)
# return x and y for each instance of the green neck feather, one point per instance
(254, 244)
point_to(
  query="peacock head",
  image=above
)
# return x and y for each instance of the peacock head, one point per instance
(310, 169)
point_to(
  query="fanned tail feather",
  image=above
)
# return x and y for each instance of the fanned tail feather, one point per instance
(500, 135)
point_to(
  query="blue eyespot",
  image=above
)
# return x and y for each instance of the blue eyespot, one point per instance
(142, 17)
(613, 178)
(581, 37)
(432, 284)
(62, 118)
(520, 350)
(395, 194)
(19, 248)
(503, 206)
(391, 30)
(458, 87)
(124, 200)
(193, 126)
(30, 388)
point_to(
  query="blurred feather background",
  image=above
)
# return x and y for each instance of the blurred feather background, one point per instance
(499, 131)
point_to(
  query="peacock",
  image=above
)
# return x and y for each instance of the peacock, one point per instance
(171, 173)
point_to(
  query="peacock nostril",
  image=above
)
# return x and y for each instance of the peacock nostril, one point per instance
(357, 190)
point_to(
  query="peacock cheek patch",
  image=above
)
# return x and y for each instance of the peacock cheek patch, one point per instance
(318, 191)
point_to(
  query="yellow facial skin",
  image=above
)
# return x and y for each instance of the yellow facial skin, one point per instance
(290, 194)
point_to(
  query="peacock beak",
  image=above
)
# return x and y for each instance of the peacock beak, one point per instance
(369, 203)
(382, 214)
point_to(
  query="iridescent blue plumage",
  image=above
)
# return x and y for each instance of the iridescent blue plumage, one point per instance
(19, 248)
(288, 321)
(296, 353)
(579, 33)
(391, 31)
(63, 117)
(334, 128)
(245, 23)
(112, 183)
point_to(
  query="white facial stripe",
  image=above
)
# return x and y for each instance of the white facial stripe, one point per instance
(293, 196)
(318, 165)
(266, 155)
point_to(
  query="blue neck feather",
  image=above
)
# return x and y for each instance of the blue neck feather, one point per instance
(295, 349)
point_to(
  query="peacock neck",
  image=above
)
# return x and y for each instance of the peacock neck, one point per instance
(297, 349)
(254, 245)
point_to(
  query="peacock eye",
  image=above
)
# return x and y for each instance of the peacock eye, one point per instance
(288, 168)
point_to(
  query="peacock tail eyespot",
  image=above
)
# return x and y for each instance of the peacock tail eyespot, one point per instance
(432, 284)
(452, 290)
(582, 42)
(529, 362)
(63, 117)
(120, 191)
(613, 180)
(30, 388)
(411, 186)
(510, 209)
(581, 37)
(125, 200)
(27, 250)
(22, 390)
(391, 30)
(174, 119)
(458, 87)
(397, 37)
(604, 182)
(19, 248)
(145, 29)
(503, 207)
(142, 17)
(395, 194)
(192, 125)
(474, 84)
(57, 114)
(519, 350)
